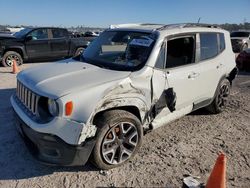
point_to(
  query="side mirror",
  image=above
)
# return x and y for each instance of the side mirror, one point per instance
(28, 38)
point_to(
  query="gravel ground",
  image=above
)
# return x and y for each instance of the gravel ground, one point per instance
(188, 146)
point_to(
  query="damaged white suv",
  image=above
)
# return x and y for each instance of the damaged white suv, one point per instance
(133, 78)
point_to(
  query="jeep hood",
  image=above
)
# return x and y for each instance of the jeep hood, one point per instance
(55, 80)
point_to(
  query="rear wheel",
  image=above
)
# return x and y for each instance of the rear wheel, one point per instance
(119, 138)
(8, 58)
(220, 100)
(79, 51)
(240, 65)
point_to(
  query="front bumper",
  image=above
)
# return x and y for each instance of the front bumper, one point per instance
(50, 149)
(67, 130)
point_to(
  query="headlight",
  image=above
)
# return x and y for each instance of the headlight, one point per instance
(52, 107)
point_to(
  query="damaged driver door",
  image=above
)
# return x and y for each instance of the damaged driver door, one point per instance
(160, 99)
(182, 71)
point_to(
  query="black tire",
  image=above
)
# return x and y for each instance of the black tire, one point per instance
(247, 67)
(109, 137)
(79, 51)
(9, 56)
(240, 65)
(244, 47)
(220, 100)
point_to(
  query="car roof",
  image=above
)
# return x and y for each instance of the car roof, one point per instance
(169, 28)
(44, 28)
(143, 26)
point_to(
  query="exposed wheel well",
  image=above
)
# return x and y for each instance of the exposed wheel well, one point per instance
(132, 109)
(15, 50)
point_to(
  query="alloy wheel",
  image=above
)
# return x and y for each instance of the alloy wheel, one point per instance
(119, 143)
(222, 96)
(10, 58)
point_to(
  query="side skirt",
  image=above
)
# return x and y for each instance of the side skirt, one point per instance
(171, 116)
(202, 104)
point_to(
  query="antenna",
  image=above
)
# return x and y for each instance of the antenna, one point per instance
(199, 20)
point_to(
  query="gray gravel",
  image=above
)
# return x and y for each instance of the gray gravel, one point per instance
(188, 146)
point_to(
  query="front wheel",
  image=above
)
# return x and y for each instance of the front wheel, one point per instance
(8, 58)
(118, 139)
(221, 97)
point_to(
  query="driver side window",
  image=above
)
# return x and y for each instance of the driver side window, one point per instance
(39, 34)
(180, 51)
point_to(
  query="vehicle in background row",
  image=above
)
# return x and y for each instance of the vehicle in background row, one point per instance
(132, 79)
(243, 60)
(84, 36)
(42, 43)
(15, 29)
(240, 40)
(91, 34)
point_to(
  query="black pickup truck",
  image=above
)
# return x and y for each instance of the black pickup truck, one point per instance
(41, 43)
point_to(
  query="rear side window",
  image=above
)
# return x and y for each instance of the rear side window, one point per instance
(222, 41)
(209, 45)
(240, 34)
(59, 33)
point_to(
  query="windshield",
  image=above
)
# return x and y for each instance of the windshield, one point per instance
(239, 34)
(22, 33)
(120, 50)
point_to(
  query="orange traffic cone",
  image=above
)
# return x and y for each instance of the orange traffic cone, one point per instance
(217, 178)
(14, 67)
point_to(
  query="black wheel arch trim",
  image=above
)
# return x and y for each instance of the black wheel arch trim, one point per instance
(231, 76)
(17, 49)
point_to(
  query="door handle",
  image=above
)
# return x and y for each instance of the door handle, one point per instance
(193, 75)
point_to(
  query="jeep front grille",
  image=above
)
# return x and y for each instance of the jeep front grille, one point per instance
(27, 97)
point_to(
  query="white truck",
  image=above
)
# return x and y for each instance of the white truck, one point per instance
(132, 79)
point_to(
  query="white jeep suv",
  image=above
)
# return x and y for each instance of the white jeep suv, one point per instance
(133, 78)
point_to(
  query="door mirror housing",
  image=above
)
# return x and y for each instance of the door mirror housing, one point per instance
(28, 38)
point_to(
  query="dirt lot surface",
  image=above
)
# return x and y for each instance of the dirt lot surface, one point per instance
(186, 146)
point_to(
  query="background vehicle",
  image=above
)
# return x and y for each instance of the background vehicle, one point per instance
(39, 44)
(132, 79)
(243, 60)
(85, 37)
(91, 34)
(4, 30)
(240, 40)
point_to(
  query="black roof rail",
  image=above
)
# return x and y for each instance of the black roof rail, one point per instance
(185, 25)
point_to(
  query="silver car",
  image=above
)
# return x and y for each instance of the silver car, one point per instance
(240, 40)
(132, 79)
